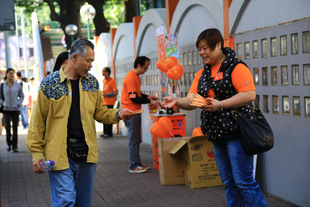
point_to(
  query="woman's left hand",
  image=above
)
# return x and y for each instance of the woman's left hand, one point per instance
(214, 105)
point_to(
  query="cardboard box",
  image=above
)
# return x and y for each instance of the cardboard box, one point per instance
(171, 169)
(200, 168)
(179, 130)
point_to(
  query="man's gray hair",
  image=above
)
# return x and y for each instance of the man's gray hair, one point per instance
(79, 47)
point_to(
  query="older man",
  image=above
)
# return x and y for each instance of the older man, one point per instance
(63, 127)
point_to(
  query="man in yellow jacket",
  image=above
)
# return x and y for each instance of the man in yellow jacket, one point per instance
(62, 127)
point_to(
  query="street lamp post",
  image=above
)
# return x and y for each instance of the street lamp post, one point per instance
(71, 29)
(88, 12)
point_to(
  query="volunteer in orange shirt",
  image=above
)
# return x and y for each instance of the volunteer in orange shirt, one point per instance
(109, 94)
(132, 98)
(226, 83)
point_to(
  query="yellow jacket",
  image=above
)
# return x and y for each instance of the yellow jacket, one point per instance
(47, 133)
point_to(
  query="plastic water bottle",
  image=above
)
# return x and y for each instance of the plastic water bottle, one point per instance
(48, 164)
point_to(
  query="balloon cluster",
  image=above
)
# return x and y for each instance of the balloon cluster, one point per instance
(171, 67)
(161, 127)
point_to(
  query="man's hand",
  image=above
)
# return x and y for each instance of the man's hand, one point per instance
(154, 104)
(115, 92)
(168, 102)
(125, 114)
(152, 97)
(36, 166)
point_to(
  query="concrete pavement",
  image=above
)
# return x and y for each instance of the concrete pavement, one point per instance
(114, 185)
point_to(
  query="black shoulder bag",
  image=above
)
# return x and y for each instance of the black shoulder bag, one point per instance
(256, 135)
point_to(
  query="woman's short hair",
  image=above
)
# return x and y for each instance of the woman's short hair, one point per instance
(212, 37)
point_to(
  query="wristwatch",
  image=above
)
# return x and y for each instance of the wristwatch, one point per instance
(118, 114)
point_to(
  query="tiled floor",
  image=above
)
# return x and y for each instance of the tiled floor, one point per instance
(114, 185)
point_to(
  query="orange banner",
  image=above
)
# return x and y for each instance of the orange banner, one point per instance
(160, 42)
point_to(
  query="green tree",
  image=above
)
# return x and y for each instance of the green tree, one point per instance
(109, 13)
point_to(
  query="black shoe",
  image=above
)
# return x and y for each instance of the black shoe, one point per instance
(15, 150)
(102, 135)
(107, 135)
(8, 148)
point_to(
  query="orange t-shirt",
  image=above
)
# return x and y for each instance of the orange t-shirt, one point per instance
(109, 85)
(132, 83)
(241, 77)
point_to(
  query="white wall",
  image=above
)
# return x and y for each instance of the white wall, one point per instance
(192, 17)
(247, 15)
(284, 171)
(123, 46)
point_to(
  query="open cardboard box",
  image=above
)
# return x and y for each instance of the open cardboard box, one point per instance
(200, 168)
(171, 167)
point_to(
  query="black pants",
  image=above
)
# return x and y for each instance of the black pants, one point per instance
(107, 128)
(14, 116)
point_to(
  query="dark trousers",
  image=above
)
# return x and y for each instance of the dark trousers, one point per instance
(107, 128)
(134, 134)
(8, 117)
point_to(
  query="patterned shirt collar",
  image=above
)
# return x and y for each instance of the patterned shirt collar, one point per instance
(63, 76)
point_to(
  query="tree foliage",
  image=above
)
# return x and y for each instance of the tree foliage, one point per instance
(28, 5)
(114, 13)
(64, 12)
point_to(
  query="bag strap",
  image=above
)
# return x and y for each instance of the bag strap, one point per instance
(2, 91)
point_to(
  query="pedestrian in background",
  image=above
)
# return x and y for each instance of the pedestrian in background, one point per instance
(109, 93)
(62, 127)
(132, 98)
(61, 60)
(23, 108)
(33, 93)
(226, 83)
(11, 96)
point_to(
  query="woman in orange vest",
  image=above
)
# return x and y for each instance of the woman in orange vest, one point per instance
(226, 83)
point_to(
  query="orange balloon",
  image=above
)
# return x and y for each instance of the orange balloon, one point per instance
(179, 71)
(158, 129)
(172, 61)
(161, 65)
(176, 72)
(197, 132)
(167, 123)
(172, 74)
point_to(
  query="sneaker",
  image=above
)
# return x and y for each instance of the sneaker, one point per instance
(8, 148)
(15, 150)
(107, 135)
(146, 167)
(138, 169)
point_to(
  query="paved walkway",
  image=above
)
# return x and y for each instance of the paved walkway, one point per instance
(114, 185)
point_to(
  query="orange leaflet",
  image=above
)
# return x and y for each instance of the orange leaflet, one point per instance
(134, 112)
(199, 101)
